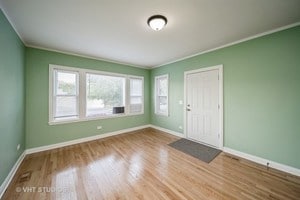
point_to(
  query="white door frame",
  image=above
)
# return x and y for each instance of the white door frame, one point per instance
(220, 69)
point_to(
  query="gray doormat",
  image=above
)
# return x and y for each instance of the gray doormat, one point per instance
(200, 151)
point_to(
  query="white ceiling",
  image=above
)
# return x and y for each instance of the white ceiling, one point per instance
(117, 30)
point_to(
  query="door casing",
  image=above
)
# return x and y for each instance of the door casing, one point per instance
(220, 70)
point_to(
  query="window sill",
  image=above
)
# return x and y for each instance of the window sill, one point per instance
(56, 122)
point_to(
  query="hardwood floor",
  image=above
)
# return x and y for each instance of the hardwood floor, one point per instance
(140, 165)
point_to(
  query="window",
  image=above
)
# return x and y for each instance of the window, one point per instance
(136, 95)
(79, 94)
(65, 98)
(161, 95)
(105, 95)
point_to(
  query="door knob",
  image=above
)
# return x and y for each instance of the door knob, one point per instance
(188, 107)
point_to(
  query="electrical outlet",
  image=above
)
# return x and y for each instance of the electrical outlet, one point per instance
(180, 102)
(18, 147)
(99, 127)
(180, 127)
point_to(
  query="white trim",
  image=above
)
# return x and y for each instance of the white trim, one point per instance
(221, 109)
(86, 56)
(263, 161)
(14, 169)
(220, 70)
(12, 25)
(81, 140)
(255, 159)
(144, 67)
(11, 174)
(82, 94)
(232, 43)
(167, 131)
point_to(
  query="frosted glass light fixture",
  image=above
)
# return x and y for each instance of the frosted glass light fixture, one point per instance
(157, 22)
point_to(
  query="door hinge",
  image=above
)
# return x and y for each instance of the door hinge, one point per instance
(218, 106)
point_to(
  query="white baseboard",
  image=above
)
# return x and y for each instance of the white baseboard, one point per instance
(263, 161)
(11, 174)
(96, 137)
(167, 131)
(81, 140)
(256, 159)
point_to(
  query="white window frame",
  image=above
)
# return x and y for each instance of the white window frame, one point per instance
(82, 94)
(156, 79)
(55, 95)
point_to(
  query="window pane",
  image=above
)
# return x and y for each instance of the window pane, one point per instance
(66, 106)
(163, 104)
(161, 95)
(136, 95)
(66, 83)
(136, 87)
(103, 93)
(136, 108)
(163, 86)
(135, 100)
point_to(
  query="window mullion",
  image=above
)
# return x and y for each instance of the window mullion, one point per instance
(127, 95)
(82, 94)
(143, 96)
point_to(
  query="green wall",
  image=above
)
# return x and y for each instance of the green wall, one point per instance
(261, 95)
(38, 132)
(12, 55)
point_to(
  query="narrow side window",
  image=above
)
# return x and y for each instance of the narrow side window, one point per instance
(162, 95)
(136, 95)
(65, 95)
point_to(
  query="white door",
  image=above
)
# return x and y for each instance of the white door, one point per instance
(202, 106)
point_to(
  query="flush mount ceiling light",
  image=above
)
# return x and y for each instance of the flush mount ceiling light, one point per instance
(157, 22)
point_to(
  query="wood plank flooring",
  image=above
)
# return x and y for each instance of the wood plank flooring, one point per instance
(141, 165)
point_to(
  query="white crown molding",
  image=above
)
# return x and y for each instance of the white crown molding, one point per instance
(65, 52)
(86, 56)
(263, 161)
(12, 25)
(11, 174)
(233, 43)
(149, 67)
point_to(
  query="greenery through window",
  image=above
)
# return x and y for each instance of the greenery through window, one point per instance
(103, 93)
